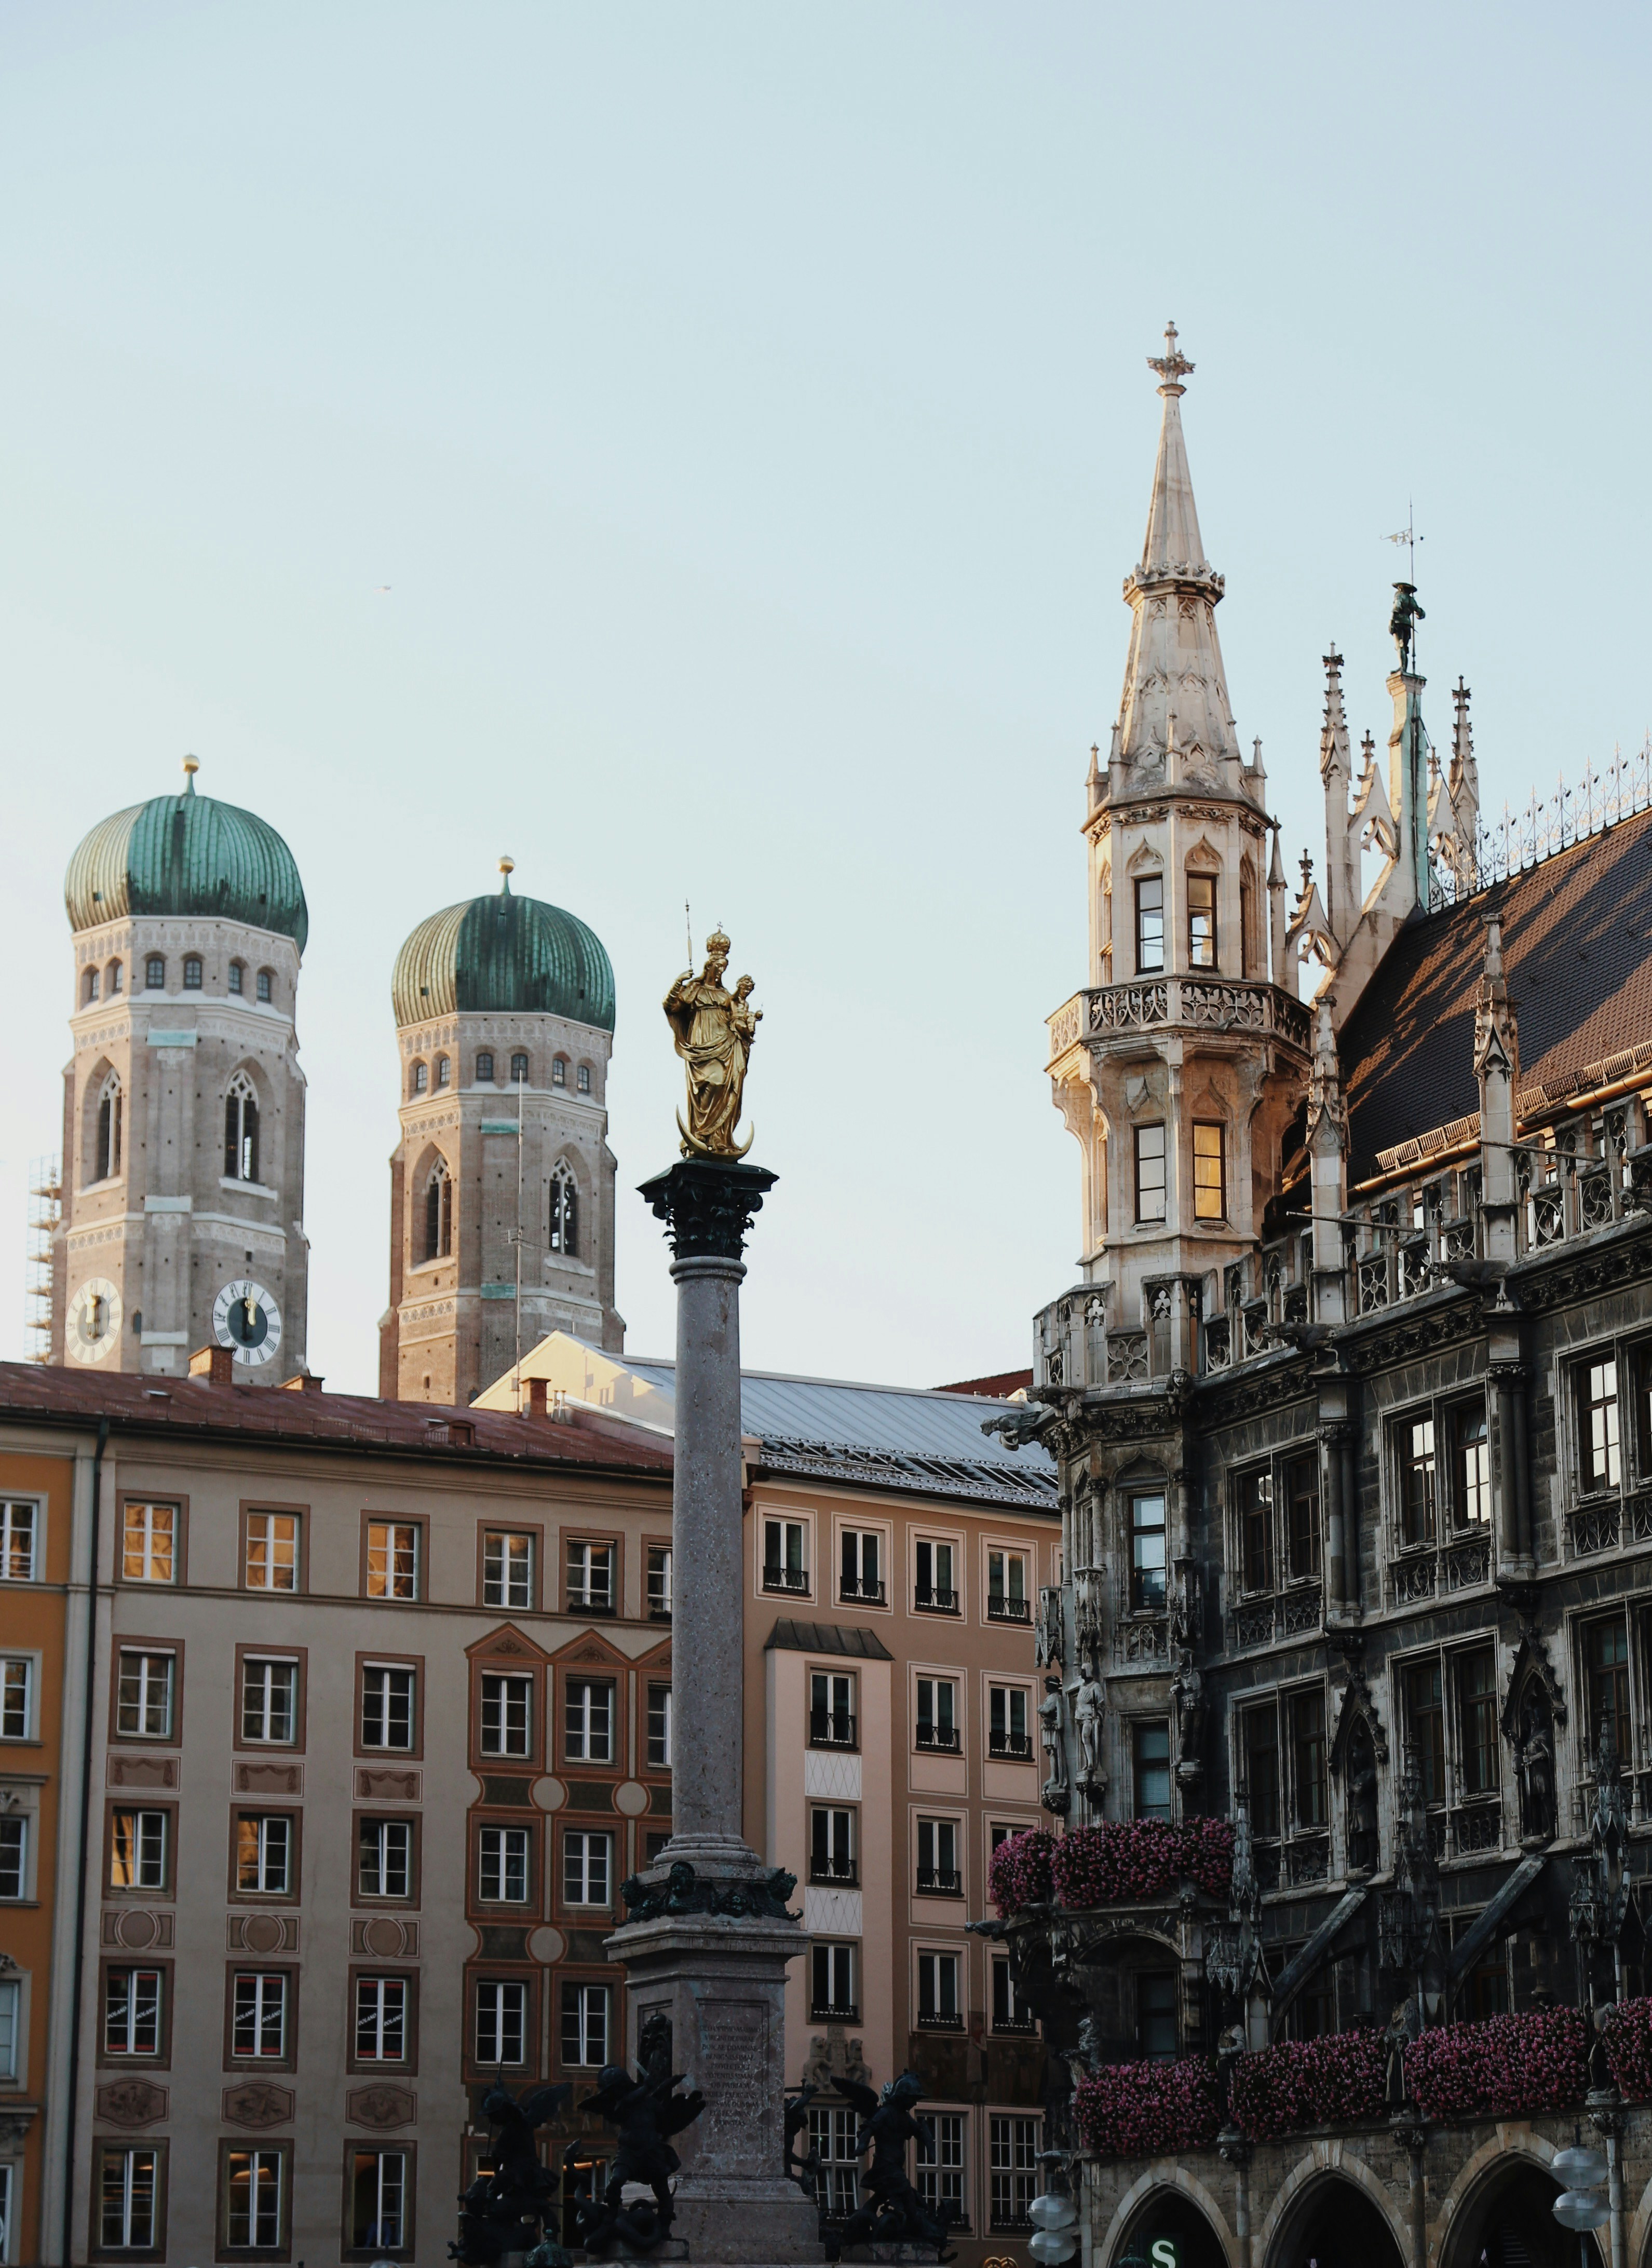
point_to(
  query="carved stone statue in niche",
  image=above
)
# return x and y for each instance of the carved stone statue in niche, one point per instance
(1050, 1714)
(1535, 1763)
(1089, 1713)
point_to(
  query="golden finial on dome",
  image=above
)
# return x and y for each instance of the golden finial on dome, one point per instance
(191, 766)
(507, 867)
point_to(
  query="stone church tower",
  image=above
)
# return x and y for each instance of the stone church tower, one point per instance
(504, 1024)
(1181, 1067)
(183, 1107)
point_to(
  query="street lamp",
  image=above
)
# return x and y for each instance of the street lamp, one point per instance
(1580, 2206)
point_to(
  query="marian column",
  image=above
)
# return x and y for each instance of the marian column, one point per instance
(708, 1935)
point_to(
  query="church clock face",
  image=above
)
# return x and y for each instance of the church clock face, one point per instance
(245, 1317)
(93, 1324)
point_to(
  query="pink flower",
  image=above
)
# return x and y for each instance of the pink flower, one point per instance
(1324, 2082)
(1503, 2067)
(1148, 2109)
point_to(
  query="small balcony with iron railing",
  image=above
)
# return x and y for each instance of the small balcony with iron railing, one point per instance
(832, 1728)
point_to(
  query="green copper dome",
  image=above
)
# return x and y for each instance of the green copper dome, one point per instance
(186, 854)
(505, 953)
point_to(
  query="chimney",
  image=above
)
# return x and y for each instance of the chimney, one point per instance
(533, 1400)
(303, 1381)
(215, 1363)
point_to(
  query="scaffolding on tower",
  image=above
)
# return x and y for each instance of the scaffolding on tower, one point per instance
(46, 1211)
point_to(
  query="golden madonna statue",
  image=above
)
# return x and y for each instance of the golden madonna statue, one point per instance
(713, 1030)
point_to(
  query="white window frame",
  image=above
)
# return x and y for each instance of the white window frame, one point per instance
(265, 1713)
(10, 1525)
(588, 1995)
(587, 1866)
(381, 1830)
(280, 1552)
(148, 1534)
(579, 1720)
(145, 1728)
(499, 1849)
(399, 1554)
(378, 1996)
(495, 1997)
(506, 1717)
(385, 1671)
(507, 1573)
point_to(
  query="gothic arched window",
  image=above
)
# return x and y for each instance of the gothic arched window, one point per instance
(421, 1077)
(240, 1130)
(109, 1117)
(438, 1213)
(266, 985)
(88, 987)
(444, 1070)
(564, 1213)
(484, 1068)
(114, 978)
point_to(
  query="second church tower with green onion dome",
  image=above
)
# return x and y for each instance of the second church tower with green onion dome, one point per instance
(504, 1023)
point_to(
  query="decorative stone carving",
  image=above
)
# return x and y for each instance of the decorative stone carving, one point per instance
(257, 2102)
(709, 1208)
(253, 1777)
(125, 1771)
(381, 2105)
(377, 1783)
(135, 1929)
(132, 2102)
(263, 1933)
(384, 1936)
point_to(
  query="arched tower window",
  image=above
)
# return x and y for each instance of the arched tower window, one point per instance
(421, 1078)
(114, 978)
(564, 1213)
(238, 976)
(484, 1067)
(155, 973)
(438, 1212)
(559, 1071)
(240, 1130)
(88, 987)
(266, 986)
(192, 972)
(444, 1070)
(583, 1080)
(110, 1112)
(519, 1070)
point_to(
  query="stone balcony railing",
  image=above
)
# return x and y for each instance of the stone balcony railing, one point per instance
(1204, 1004)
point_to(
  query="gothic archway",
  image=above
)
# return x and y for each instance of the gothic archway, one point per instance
(1168, 2212)
(1506, 2221)
(1334, 2223)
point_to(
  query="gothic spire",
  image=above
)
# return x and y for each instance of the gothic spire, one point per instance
(1174, 658)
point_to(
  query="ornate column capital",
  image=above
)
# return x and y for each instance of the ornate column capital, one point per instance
(708, 1208)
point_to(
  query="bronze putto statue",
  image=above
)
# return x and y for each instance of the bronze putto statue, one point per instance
(714, 1030)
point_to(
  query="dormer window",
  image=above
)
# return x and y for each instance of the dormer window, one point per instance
(155, 973)
(484, 1068)
(88, 987)
(238, 976)
(1149, 924)
(265, 988)
(240, 1131)
(192, 972)
(559, 1071)
(519, 1070)
(582, 1078)
(421, 1077)
(114, 978)
(1201, 921)
(444, 1070)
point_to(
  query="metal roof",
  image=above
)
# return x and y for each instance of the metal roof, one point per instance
(186, 854)
(893, 1436)
(826, 1637)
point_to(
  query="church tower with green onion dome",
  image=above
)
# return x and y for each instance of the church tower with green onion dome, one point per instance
(502, 1185)
(183, 1105)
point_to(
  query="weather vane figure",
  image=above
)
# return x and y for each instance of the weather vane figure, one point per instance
(713, 1030)
(1402, 623)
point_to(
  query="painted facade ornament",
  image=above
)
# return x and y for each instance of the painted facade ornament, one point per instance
(714, 1030)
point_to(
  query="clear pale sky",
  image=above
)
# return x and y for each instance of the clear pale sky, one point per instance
(747, 408)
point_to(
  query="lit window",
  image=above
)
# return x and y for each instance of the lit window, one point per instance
(558, 1071)
(258, 2026)
(587, 1864)
(584, 2025)
(17, 1542)
(502, 1866)
(392, 1559)
(1417, 1478)
(588, 1721)
(1209, 1183)
(269, 1694)
(1201, 921)
(192, 972)
(155, 973)
(484, 1067)
(272, 1552)
(1150, 1176)
(131, 2012)
(387, 1707)
(506, 1713)
(1149, 924)
(143, 1696)
(264, 1854)
(385, 1858)
(238, 976)
(1147, 1552)
(421, 1077)
(377, 2200)
(507, 1570)
(444, 1070)
(1597, 1416)
(834, 2137)
(240, 1131)
(381, 2019)
(265, 985)
(138, 1850)
(1150, 1750)
(502, 2024)
(564, 1213)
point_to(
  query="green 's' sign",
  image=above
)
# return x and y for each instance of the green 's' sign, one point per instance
(1164, 2252)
